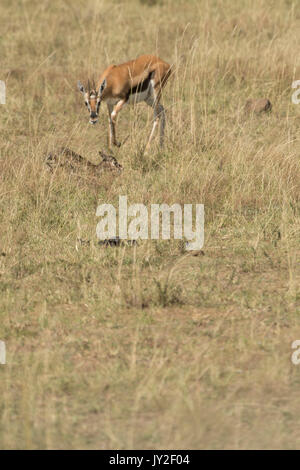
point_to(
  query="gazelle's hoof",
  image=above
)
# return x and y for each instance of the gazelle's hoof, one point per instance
(117, 144)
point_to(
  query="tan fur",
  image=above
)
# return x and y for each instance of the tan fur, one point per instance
(121, 78)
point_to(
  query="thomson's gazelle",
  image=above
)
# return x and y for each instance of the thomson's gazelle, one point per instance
(138, 80)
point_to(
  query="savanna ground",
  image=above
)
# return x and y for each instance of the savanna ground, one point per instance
(150, 346)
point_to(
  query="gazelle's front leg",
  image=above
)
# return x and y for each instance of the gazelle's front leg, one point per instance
(111, 127)
(113, 112)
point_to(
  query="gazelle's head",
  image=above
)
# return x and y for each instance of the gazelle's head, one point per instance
(92, 99)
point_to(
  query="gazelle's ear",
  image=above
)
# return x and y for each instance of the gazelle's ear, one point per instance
(102, 87)
(80, 87)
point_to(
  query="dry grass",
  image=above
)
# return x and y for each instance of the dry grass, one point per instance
(148, 346)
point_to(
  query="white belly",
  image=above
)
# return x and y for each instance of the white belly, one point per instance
(138, 97)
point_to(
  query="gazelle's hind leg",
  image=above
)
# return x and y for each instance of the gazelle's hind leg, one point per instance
(159, 116)
(162, 121)
(158, 81)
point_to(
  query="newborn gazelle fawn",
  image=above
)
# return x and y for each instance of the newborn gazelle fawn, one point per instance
(141, 79)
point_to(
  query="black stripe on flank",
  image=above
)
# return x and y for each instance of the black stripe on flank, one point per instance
(141, 86)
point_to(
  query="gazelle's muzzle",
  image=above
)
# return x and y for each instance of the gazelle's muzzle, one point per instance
(93, 117)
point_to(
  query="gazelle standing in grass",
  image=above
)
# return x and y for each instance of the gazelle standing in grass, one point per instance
(141, 79)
